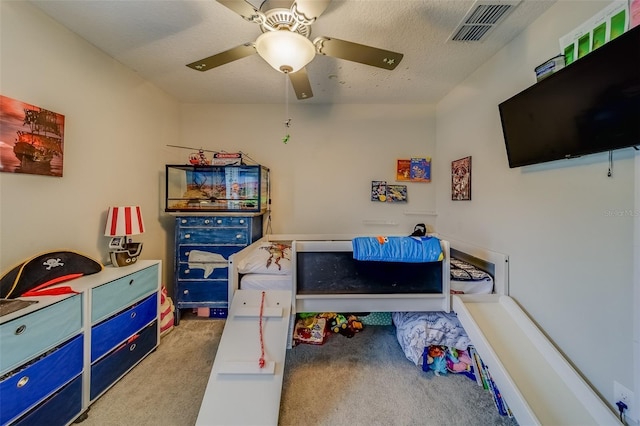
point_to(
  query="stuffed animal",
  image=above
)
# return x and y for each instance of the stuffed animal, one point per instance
(459, 362)
(436, 359)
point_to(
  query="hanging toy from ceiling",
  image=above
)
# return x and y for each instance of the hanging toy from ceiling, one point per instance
(287, 119)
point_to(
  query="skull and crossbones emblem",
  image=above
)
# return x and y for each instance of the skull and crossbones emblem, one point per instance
(52, 263)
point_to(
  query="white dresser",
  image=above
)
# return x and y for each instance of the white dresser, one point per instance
(59, 355)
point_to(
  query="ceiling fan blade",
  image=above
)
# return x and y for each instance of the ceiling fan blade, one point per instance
(242, 8)
(357, 52)
(311, 9)
(301, 84)
(225, 57)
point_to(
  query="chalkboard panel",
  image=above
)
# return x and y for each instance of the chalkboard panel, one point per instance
(339, 273)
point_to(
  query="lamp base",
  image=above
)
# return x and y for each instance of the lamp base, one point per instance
(127, 256)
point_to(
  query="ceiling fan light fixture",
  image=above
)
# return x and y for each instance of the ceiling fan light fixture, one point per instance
(284, 50)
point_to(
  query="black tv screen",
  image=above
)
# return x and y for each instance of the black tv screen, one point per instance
(592, 105)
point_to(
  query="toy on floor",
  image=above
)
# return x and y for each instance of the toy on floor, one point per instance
(346, 324)
(354, 325)
(460, 362)
(339, 323)
(436, 359)
(310, 330)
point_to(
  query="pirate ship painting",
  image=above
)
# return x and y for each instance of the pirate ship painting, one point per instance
(31, 138)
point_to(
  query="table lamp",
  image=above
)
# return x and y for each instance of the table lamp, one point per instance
(122, 222)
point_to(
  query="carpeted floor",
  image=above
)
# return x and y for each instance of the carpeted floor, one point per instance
(365, 380)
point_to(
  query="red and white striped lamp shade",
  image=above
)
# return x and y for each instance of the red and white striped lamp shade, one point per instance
(122, 221)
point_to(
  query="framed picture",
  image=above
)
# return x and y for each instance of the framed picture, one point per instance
(32, 139)
(461, 179)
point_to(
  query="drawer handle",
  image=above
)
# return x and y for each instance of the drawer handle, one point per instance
(219, 221)
(184, 220)
(187, 235)
(239, 236)
(133, 315)
(23, 381)
(185, 292)
(206, 221)
(21, 329)
(131, 281)
(132, 347)
(186, 271)
(242, 221)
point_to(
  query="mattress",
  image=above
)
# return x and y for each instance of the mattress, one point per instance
(266, 282)
(467, 279)
(484, 286)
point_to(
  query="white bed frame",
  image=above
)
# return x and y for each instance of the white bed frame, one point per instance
(397, 302)
(537, 382)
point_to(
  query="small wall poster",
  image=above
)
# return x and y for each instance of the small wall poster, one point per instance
(396, 193)
(379, 190)
(461, 179)
(403, 169)
(421, 169)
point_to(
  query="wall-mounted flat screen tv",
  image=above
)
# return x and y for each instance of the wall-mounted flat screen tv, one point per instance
(590, 106)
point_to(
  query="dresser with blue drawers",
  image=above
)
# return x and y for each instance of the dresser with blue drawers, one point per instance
(203, 245)
(59, 355)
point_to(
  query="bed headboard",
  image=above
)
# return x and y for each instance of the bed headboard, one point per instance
(495, 263)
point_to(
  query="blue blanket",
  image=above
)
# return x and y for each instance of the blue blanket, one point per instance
(397, 249)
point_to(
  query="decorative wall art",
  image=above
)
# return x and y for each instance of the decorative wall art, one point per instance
(414, 169)
(383, 192)
(461, 179)
(403, 169)
(396, 193)
(379, 190)
(31, 139)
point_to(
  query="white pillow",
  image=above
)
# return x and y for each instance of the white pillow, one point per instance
(267, 258)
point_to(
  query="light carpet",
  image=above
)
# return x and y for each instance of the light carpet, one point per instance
(364, 380)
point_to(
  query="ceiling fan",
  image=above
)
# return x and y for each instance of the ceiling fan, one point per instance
(285, 44)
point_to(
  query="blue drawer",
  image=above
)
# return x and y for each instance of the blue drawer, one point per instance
(184, 249)
(213, 221)
(110, 368)
(60, 409)
(114, 296)
(203, 291)
(224, 236)
(28, 386)
(106, 335)
(30, 335)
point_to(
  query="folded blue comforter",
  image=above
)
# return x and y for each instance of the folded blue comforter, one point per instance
(397, 249)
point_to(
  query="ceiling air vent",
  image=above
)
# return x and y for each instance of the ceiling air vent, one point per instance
(481, 19)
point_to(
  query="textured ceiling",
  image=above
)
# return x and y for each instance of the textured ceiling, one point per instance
(157, 38)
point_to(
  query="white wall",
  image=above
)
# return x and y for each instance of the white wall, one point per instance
(321, 178)
(115, 123)
(571, 263)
